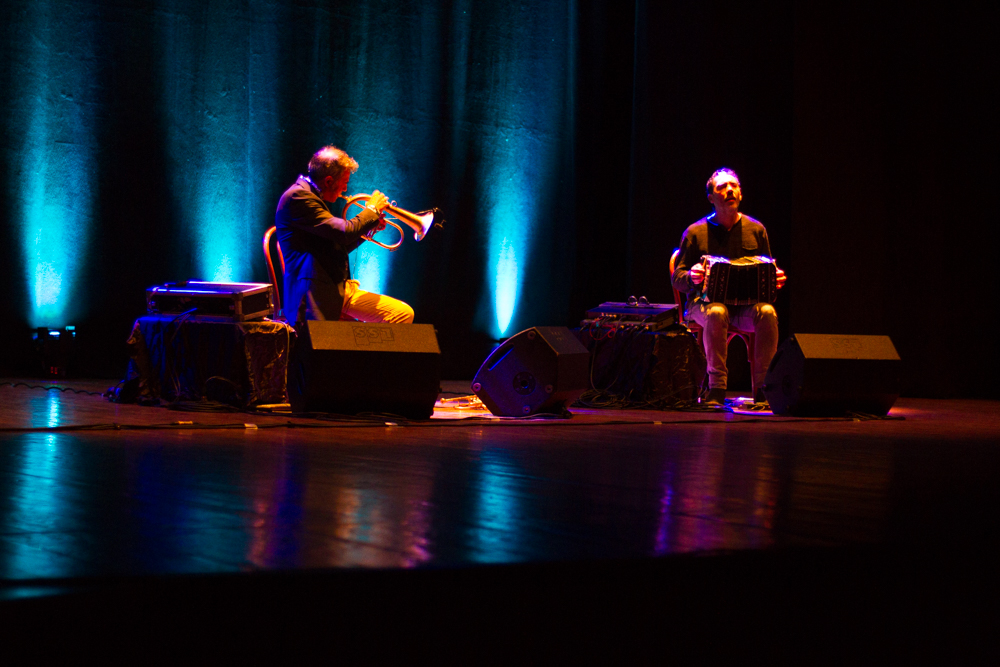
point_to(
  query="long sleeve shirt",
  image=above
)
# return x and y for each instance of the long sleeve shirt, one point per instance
(746, 238)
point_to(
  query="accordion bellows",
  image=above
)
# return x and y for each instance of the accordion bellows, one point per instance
(740, 282)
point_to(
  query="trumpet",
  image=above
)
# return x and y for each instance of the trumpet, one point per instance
(420, 223)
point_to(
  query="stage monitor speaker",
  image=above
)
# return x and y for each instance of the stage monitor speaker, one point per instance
(537, 370)
(821, 375)
(355, 367)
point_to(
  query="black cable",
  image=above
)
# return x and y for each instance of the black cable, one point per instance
(171, 371)
(203, 405)
(615, 396)
(51, 387)
(864, 417)
(233, 402)
(551, 420)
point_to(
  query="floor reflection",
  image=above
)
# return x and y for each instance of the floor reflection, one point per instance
(723, 494)
(278, 486)
(369, 512)
(37, 503)
(37, 511)
(496, 530)
(836, 493)
(194, 501)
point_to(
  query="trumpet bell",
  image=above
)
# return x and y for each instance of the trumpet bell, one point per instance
(420, 223)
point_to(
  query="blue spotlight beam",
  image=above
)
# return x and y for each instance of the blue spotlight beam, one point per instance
(382, 106)
(220, 72)
(527, 66)
(53, 115)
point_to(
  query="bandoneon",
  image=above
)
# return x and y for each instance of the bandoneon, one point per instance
(740, 282)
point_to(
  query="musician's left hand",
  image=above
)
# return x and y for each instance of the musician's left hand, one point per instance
(781, 277)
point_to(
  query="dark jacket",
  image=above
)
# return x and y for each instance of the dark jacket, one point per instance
(312, 246)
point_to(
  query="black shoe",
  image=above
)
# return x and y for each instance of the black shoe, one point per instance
(714, 397)
(759, 397)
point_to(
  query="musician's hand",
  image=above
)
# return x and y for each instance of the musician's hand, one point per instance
(381, 224)
(697, 274)
(781, 277)
(378, 202)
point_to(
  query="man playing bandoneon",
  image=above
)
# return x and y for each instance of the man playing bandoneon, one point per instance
(730, 234)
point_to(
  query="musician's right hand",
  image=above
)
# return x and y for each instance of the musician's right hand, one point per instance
(697, 274)
(378, 202)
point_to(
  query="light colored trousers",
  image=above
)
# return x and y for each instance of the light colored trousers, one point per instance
(366, 306)
(715, 319)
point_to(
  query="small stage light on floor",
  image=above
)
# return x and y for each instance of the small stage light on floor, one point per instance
(54, 350)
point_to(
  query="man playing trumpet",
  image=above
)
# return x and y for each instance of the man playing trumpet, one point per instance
(316, 243)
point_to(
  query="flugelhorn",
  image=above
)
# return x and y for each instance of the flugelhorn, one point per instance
(420, 223)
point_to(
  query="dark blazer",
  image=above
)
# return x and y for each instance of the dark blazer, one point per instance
(313, 249)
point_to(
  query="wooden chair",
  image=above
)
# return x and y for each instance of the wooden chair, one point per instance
(270, 269)
(746, 336)
(268, 235)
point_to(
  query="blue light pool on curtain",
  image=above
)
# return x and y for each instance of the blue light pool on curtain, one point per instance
(528, 74)
(53, 107)
(370, 272)
(376, 85)
(220, 70)
(508, 239)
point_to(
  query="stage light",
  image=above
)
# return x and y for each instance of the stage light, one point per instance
(53, 127)
(55, 351)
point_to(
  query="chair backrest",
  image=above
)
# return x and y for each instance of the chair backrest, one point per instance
(679, 299)
(270, 266)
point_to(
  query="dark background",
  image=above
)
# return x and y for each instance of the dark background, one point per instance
(859, 134)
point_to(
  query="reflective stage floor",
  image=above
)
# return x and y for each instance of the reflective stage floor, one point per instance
(626, 535)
